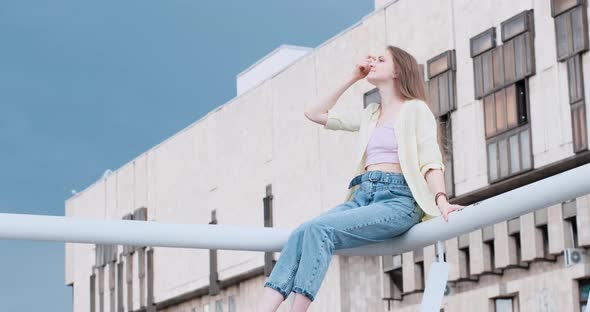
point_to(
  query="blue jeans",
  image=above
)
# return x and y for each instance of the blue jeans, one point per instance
(380, 209)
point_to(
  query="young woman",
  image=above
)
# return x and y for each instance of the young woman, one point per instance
(399, 170)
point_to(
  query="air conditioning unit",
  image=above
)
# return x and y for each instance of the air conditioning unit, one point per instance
(573, 256)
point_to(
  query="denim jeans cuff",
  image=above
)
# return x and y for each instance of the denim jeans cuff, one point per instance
(303, 292)
(277, 288)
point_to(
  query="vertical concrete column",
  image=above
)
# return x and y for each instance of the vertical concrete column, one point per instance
(429, 258)
(531, 237)
(477, 255)
(452, 253)
(583, 220)
(412, 273)
(559, 230)
(504, 246)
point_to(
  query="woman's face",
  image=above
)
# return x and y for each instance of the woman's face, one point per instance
(381, 68)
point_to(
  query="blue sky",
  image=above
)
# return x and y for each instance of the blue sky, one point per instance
(88, 85)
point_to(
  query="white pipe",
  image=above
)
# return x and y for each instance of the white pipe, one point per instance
(552, 190)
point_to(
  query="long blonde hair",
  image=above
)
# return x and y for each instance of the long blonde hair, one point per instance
(410, 84)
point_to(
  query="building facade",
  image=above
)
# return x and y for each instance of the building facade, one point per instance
(507, 83)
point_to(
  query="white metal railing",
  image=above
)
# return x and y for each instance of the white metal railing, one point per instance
(549, 191)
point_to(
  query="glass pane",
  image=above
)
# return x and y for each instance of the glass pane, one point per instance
(509, 69)
(483, 42)
(433, 92)
(583, 129)
(451, 78)
(490, 115)
(231, 304)
(478, 76)
(584, 290)
(498, 67)
(439, 65)
(514, 27)
(521, 102)
(500, 110)
(561, 6)
(514, 154)
(512, 112)
(576, 127)
(571, 79)
(493, 161)
(503, 155)
(579, 78)
(448, 176)
(504, 305)
(575, 82)
(578, 34)
(563, 34)
(520, 58)
(525, 150)
(372, 96)
(486, 67)
(443, 93)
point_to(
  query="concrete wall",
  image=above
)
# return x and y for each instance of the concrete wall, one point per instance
(224, 161)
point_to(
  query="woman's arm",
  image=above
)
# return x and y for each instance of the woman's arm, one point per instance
(321, 111)
(430, 159)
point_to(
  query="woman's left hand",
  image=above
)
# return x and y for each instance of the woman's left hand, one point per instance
(446, 208)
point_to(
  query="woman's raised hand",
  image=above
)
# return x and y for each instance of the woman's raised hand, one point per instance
(362, 68)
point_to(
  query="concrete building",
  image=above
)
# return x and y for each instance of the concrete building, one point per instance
(507, 82)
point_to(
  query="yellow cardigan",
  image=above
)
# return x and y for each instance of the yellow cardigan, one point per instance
(418, 148)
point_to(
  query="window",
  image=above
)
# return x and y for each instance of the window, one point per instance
(392, 287)
(576, 98)
(213, 274)
(92, 293)
(584, 290)
(571, 32)
(507, 133)
(150, 278)
(372, 96)
(571, 36)
(120, 297)
(445, 130)
(440, 91)
(219, 305)
(464, 260)
(508, 304)
(500, 74)
(496, 67)
(231, 304)
(441, 84)
(505, 110)
(269, 260)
